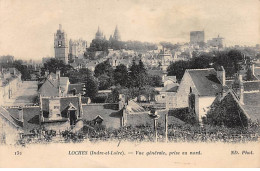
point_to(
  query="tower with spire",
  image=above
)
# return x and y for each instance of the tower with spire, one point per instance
(116, 35)
(61, 45)
(99, 34)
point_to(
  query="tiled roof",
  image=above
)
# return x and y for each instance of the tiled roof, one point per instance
(205, 81)
(252, 85)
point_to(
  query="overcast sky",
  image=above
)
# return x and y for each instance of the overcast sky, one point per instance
(27, 27)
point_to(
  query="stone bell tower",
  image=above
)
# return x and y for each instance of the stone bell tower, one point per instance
(61, 45)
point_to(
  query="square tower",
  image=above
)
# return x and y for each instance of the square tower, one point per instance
(61, 45)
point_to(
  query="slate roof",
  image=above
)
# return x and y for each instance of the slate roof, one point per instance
(78, 87)
(205, 81)
(251, 85)
(64, 105)
(7, 115)
(257, 73)
(252, 105)
(50, 85)
(107, 111)
(30, 117)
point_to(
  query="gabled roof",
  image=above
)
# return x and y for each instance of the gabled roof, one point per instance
(50, 86)
(72, 107)
(205, 81)
(30, 117)
(4, 113)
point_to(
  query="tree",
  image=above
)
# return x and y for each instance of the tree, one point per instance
(155, 81)
(235, 56)
(103, 68)
(121, 75)
(54, 64)
(104, 82)
(91, 86)
(79, 76)
(138, 74)
(23, 69)
(178, 69)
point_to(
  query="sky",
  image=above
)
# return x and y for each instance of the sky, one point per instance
(27, 27)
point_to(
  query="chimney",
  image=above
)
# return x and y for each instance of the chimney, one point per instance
(253, 69)
(221, 74)
(20, 114)
(240, 78)
(121, 101)
(46, 73)
(60, 27)
(241, 96)
(241, 89)
(164, 76)
(58, 74)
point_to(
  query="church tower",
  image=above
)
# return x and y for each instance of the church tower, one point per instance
(116, 35)
(61, 45)
(99, 34)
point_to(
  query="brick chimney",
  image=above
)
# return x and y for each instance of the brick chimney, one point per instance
(221, 74)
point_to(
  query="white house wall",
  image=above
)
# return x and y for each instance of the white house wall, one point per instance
(204, 104)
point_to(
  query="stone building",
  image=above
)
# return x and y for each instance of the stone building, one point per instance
(216, 42)
(198, 89)
(10, 81)
(61, 45)
(77, 48)
(197, 37)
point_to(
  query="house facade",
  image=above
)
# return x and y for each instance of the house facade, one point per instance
(197, 90)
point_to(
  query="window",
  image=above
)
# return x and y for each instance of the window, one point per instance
(56, 107)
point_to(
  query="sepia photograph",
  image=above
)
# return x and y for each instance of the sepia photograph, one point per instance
(129, 83)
